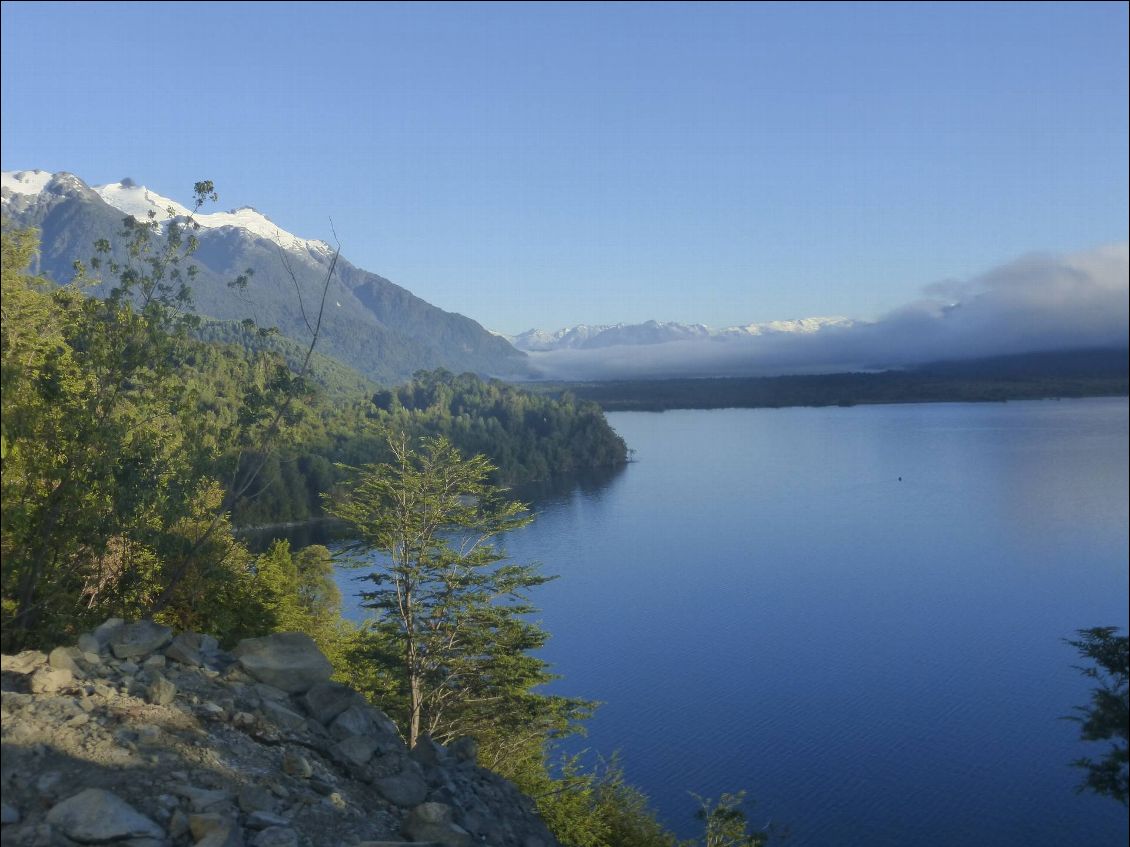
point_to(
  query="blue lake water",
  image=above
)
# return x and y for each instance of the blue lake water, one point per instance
(761, 604)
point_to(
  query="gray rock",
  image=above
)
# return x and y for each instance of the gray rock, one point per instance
(404, 789)
(287, 660)
(87, 643)
(201, 799)
(255, 798)
(213, 830)
(48, 680)
(269, 692)
(137, 640)
(296, 764)
(282, 716)
(24, 662)
(358, 748)
(276, 836)
(63, 658)
(361, 720)
(185, 648)
(327, 700)
(464, 749)
(435, 822)
(9, 814)
(428, 752)
(95, 816)
(154, 663)
(105, 631)
(263, 820)
(161, 692)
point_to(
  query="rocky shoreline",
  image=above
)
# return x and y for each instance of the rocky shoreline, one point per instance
(136, 737)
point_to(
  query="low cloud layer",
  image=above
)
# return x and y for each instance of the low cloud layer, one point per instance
(1038, 302)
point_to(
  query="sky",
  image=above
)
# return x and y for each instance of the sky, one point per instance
(546, 165)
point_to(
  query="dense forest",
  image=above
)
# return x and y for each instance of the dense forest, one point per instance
(127, 442)
(1083, 373)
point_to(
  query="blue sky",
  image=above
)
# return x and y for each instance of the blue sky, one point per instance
(544, 165)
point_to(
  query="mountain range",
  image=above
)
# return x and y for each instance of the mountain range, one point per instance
(586, 337)
(377, 327)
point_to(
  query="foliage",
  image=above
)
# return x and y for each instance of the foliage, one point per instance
(111, 449)
(1107, 718)
(725, 824)
(446, 606)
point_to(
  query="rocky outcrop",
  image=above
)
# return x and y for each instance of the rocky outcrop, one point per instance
(135, 737)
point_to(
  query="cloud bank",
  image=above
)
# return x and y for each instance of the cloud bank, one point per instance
(1038, 302)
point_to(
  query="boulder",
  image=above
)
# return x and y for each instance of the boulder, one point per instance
(435, 822)
(47, 680)
(283, 717)
(287, 660)
(357, 748)
(405, 789)
(95, 816)
(137, 640)
(161, 692)
(327, 700)
(276, 836)
(464, 749)
(63, 658)
(24, 662)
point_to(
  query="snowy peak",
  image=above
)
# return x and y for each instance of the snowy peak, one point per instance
(660, 332)
(139, 201)
(25, 182)
(21, 189)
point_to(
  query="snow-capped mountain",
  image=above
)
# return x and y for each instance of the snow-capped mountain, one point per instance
(585, 337)
(379, 328)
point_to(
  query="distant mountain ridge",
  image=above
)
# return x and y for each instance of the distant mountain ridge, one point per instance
(585, 337)
(379, 328)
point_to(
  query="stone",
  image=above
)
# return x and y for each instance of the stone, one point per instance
(361, 720)
(404, 789)
(213, 830)
(64, 658)
(327, 700)
(269, 692)
(139, 639)
(95, 816)
(211, 712)
(47, 680)
(255, 798)
(357, 748)
(24, 662)
(282, 716)
(428, 752)
(464, 749)
(296, 764)
(154, 663)
(435, 822)
(276, 836)
(201, 799)
(287, 660)
(9, 814)
(263, 819)
(185, 648)
(161, 692)
(105, 631)
(87, 643)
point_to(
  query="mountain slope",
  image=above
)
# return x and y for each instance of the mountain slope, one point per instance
(377, 327)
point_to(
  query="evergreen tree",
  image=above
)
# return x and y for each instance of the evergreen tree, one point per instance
(444, 601)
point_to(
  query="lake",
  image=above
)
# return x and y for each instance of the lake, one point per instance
(855, 614)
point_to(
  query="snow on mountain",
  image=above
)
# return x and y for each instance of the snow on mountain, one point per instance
(137, 200)
(660, 332)
(25, 182)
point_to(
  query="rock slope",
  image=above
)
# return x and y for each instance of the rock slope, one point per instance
(136, 737)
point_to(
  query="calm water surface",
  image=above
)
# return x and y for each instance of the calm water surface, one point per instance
(761, 603)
